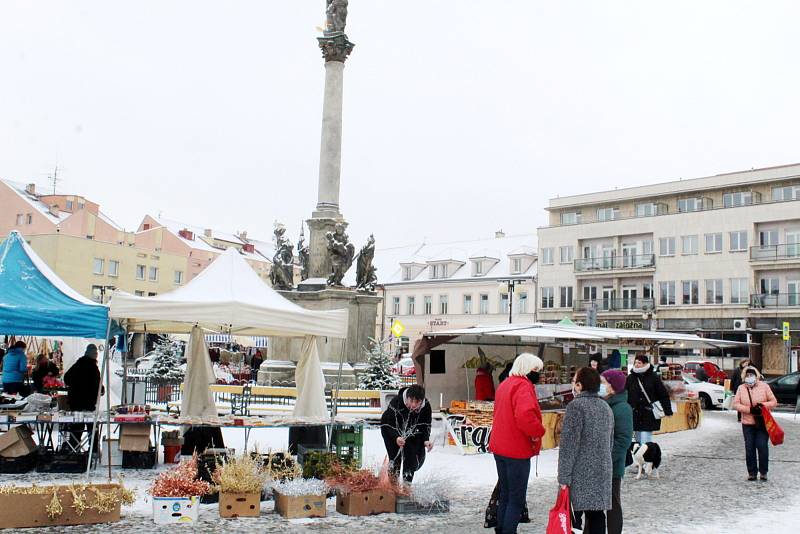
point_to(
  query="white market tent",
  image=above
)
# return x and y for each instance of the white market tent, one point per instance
(229, 296)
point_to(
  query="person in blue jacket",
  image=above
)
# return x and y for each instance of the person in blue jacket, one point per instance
(15, 367)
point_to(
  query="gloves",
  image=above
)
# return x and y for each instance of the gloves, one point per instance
(755, 410)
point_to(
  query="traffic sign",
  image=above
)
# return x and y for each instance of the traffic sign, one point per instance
(786, 335)
(398, 328)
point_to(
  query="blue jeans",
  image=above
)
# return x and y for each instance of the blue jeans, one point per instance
(756, 444)
(512, 474)
(642, 436)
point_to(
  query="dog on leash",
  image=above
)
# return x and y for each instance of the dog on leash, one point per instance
(647, 456)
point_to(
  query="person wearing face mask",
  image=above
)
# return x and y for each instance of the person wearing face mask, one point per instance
(585, 463)
(517, 432)
(612, 388)
(750, 398)
(645, 387)
(406, 431)
(736, 380)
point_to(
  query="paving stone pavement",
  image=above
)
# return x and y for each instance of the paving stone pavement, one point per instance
(702, 481)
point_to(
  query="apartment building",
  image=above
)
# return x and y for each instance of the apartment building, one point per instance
(428, 287)
(717, 255)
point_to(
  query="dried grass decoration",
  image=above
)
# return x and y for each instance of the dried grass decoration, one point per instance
(180, 481)
(346, 480)
(54, 509)
(103, 501)
(241, 474)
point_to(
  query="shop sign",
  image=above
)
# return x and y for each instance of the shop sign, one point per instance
(787, 336)
(629, 325)
(398, 328)
(438, 322)
(470, 439)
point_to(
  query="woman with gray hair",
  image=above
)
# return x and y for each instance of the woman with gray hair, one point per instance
(517, 433)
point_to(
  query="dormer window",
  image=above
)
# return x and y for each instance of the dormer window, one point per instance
(407, 274)
(516, 265)
(478, 267)
(439, 270)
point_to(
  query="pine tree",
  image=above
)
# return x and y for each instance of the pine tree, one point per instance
(379, 373)
(166, 363)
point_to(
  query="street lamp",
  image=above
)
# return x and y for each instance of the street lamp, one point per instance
(511, 284)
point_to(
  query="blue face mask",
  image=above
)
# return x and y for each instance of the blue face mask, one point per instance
(603, 390)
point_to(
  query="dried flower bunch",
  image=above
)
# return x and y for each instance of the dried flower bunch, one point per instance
(241, 474)
(345, 479)
(180, 481)
(84, 497)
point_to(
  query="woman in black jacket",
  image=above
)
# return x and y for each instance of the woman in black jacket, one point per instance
(644, 387)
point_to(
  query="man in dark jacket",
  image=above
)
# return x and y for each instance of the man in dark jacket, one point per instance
(645, 387)
(83, 381)
(406, 431)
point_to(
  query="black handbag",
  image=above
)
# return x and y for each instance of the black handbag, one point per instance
(490, 518)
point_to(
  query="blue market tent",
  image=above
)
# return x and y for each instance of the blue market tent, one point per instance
(34, 301)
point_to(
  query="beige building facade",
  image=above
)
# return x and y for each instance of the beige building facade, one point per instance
(718, 255)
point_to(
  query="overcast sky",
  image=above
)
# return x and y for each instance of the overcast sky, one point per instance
(461, 117)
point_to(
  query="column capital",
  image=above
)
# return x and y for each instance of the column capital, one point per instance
(335, 46)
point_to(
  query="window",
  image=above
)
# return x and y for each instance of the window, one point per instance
(547, 256)
(178, 278)
(689, 245)
(29, 218)
(666, 293)
(153, 274)
(437, 362)
(151, 294)
(395, 306)
(648, 209)
(97, 294)
(20, 219)
(738, 240)
(443, 304)
(81, 204)
(691, 292)
(566, 296)
(113, 268)
(406, 273)
(571, 217)
(140, 271)
(70, 205)
(503, 303)
(714, 291)
(768, 238)
(742, 198)
(789, 192)
(770, 286)
(647, 290)
(690, 204)
(138, 293)
(713, 243)
(547, 297)
(739, 291)
(478, 267)
(516, 265)
(439, 270)
(98, 266)
(467, 304)
(607, 214)
(484, 304)
(523, 303)
(666, 246)
(427, 305)
(566, 253)
(410, 305)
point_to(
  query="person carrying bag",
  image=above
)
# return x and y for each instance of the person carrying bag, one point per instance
(560, 520)
(753, 400)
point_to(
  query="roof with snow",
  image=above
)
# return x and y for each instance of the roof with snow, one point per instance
(34, 202)
(264, 249)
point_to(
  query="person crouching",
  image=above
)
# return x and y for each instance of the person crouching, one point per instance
(406, 431)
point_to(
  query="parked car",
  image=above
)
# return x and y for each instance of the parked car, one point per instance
(710, 395)
(713, 372)
(785, 387)
(405, 367)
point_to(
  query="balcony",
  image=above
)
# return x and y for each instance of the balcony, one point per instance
(770, 301)
(636, 305)
(774, 253)
(605, 265)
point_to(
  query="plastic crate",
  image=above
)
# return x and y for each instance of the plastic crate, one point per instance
(62, 462)
(21, 464)
(139, 460)
(303, 450)
(408, 506)
(348, 436)
(349, 453)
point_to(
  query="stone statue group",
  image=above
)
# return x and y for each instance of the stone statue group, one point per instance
(340, 251)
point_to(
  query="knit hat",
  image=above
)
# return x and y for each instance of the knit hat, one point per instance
(615, 379)
(91, 350)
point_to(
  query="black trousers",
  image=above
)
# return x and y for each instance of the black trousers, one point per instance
(412, 456)
(614, 516)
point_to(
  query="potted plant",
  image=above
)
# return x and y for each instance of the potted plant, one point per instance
(176, 494)
(240, 481)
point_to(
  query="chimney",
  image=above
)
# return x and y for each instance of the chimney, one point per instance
(30, 189)
(54, 210)
(186, 234)
(499, 234)
(243, 235)
(249, 247)
(208, 232)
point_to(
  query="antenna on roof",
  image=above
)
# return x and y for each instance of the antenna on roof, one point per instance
(54, 179)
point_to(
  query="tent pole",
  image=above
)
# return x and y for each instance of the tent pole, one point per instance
(108, 401)
(103, 370)
(335, 400)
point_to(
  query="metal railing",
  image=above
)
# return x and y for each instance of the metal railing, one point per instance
(613, 263)
(615, 304)
(775, 300)
(775, 252)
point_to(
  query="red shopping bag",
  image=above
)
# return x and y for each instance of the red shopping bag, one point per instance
(560, 519)
(774, 430)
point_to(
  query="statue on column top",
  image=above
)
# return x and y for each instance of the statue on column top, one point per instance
(336, 12)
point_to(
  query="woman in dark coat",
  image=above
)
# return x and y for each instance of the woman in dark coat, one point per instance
(643, 377)
(406, 431)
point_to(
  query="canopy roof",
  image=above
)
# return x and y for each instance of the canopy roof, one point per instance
(34, 301)
(227, 296)
(551, 333)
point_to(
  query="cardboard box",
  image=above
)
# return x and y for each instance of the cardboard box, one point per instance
(302, 506)
(172, 510)
(366, 503)
(22, 511)
(18, 441)
(239, 504)
(134, 437)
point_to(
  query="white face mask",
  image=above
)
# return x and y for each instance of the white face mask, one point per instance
(603, 390)
(750, 380)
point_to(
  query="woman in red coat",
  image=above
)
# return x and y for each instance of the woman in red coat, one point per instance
(517, 433)
(484, 383)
